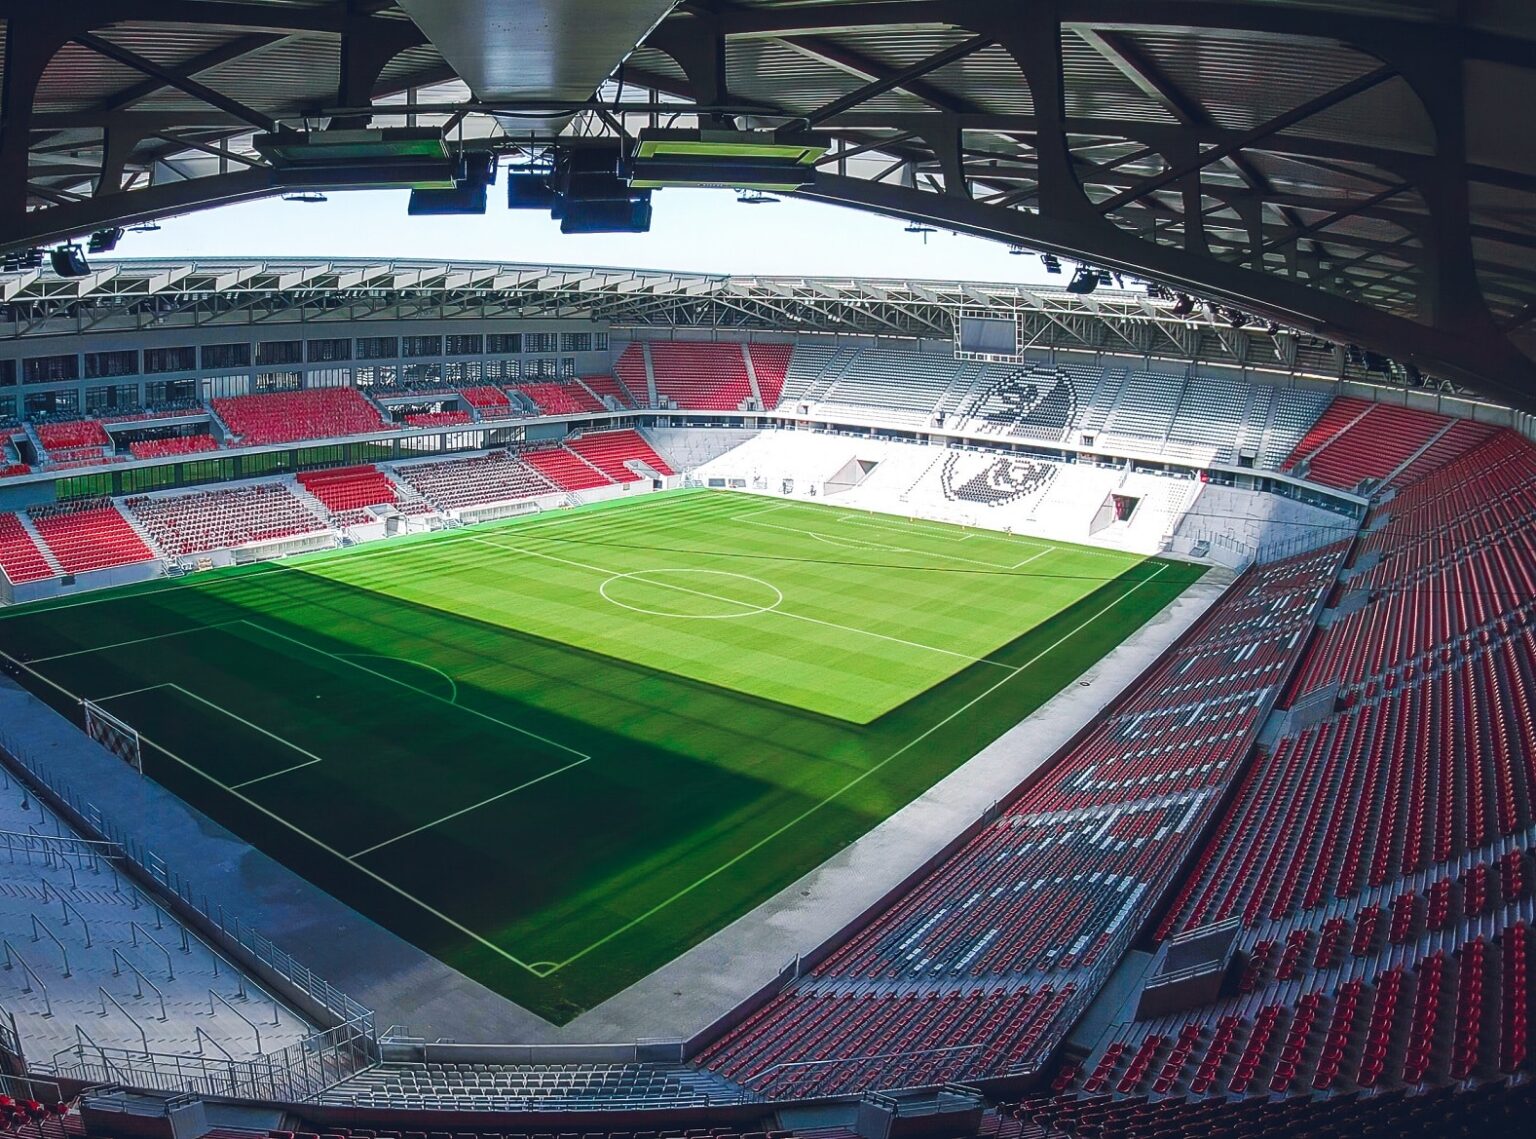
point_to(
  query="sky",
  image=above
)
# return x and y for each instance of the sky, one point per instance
(698, 230)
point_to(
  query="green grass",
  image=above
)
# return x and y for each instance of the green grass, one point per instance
(555, 752)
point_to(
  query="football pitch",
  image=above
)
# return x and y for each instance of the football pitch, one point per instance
(557, 751)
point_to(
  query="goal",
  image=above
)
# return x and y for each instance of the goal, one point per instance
(113, 734)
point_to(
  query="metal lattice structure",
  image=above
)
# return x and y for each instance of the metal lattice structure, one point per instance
(139, 295)
(1357, 170)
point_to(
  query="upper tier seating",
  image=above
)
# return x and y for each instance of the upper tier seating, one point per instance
(629, 370)
(223, 518)
(176, 445)
(1335, 418)
(77, 434)
(88, 536)
(610, 386)
(608, 451)
(712, 377)
(1007, 939)
(565, 469)
(902, 387)
(11, 470)
(454, 484)
(560, 399)
(347, 492)
(770, 362)
(1145, 409)
(20, 558)
(1373, 445)
(285, 417)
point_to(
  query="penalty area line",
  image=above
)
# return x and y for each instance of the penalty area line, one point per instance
(539, 969)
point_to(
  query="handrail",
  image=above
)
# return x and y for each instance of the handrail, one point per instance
(39, 924)
(106, 996)
(199, 1035)
(135, 928)
(10, 952)
(85, 925)
(137, 972)
(212, 996)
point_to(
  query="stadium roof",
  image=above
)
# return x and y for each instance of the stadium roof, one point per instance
(164, 294)
(1358, 169)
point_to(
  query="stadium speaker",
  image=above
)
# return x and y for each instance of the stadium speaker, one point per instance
(528, 191)
(630, 215)
(69, 261)
(1084, 281)
(476, 172)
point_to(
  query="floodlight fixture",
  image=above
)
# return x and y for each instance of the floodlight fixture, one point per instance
(748, 160)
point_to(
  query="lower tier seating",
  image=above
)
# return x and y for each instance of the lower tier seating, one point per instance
(565, 469)
(454, 484)
(89, 536)
(347, 492)
(225, 518)
(20, 558)
(609, 451)
(1028, 917)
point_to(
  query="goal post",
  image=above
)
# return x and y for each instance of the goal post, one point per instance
(113, 734)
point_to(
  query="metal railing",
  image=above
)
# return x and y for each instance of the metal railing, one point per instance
(113, 843)
(302, 1071)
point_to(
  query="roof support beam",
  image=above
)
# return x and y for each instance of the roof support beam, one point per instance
(896, 79)
(1248, 138)
(182, 83)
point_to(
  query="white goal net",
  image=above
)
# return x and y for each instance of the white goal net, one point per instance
(113, 734)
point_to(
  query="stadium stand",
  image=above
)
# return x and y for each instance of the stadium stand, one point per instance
(560, 398)
(20, 557)
(12, 470)
(609, 451)
(902, 387)
(176, 445)
(630, 372)
(88, 536)
(533, 1087)
(347, 492)
(486, 399)
(454, 484)
(565, 469)
(769, 363)
(1373, 445)
(438, 419)
(611, 387)
(223, 518)
(711, 377)
(1377, 858)
(1016, 920)
(998, 480)
(73, 435)
(285, 417)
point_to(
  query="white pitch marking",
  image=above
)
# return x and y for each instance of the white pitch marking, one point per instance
(729, 600)
(471, 807)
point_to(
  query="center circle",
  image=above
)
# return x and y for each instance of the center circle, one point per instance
(691, 594)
